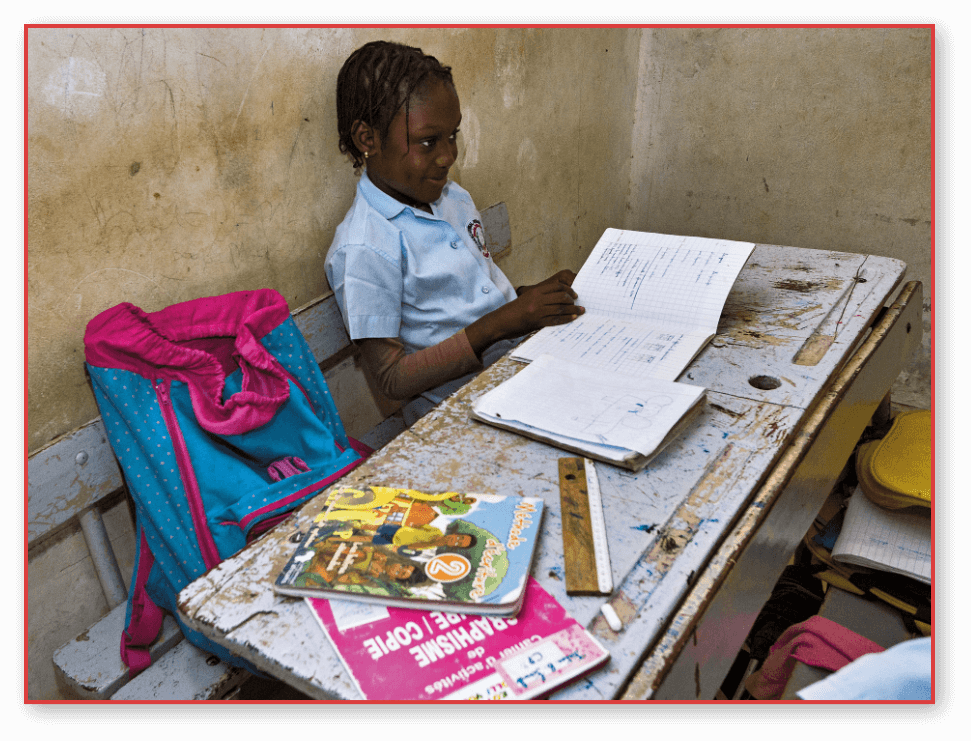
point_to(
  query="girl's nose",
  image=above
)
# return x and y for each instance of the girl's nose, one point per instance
(445, 160)
(448, 155)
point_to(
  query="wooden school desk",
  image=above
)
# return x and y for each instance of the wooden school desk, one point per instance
(804, 355)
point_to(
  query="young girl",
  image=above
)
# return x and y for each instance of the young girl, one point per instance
(416, 286)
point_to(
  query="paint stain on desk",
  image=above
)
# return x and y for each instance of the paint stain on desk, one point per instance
(671, 544)
(729, 412)
(801, 286)
(753, 338)
(808, 286)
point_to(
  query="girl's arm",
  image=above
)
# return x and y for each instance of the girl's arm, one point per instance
(402, 375)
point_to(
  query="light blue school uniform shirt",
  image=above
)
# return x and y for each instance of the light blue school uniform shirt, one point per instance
(902, 672)
(397, 271)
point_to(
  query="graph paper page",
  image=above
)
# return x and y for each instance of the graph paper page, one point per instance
(627, 347)
(890, 540)
(652, 301)
(660, 279)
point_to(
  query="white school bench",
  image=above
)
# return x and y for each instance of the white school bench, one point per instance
(72, 480)
(806, 352)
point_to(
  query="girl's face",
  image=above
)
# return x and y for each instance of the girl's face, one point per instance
(412, 163)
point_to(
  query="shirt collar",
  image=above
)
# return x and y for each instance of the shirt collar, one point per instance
(387, 206)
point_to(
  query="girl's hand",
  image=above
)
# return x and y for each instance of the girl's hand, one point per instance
(542, 305)
(545, 304)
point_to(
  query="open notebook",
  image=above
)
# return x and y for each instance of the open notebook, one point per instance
(604, 384)
(652, 302)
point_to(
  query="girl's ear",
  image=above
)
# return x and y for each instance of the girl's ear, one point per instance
(364, 137)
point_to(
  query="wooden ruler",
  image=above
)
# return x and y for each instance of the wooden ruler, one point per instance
(587, 561)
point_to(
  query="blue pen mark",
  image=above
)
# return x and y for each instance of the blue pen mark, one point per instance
(645, 528)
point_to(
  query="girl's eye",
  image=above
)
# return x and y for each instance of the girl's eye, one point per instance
(429, 143)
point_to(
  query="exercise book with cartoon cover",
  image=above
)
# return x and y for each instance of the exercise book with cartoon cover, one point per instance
(452, 552)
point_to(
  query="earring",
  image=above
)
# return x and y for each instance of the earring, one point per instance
(366, 155)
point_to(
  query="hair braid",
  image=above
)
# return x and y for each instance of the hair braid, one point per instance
(375, 82)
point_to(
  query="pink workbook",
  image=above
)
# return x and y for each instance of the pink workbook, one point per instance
(396, 654)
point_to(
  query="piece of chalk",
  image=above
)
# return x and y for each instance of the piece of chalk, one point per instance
(612, 619)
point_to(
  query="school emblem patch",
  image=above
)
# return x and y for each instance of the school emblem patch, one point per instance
(478, 235)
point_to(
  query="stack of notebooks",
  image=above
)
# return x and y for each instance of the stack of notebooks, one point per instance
(604, 385)
(428, 596)
(887, 525)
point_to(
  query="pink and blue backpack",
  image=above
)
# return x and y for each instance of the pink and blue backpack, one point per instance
(222, 424)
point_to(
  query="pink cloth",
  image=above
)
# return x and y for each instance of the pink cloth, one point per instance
(200, 342)
(817, 642)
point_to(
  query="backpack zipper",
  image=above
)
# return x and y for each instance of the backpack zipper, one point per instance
(207, 546)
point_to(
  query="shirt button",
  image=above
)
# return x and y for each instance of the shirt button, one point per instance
(455, 245)
(485, 289)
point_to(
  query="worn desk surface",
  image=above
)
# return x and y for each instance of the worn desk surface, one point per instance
(791, 324)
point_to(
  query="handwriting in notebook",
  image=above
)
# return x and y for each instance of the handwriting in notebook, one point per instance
(888, 540)
(681, 282)
(652, 302)
(626, 347)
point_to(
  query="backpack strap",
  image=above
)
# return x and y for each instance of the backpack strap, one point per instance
(144, 619)
(286, 467)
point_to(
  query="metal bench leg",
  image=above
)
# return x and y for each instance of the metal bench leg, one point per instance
(103, 557)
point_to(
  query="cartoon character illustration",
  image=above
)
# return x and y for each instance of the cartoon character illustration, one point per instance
(380, 540)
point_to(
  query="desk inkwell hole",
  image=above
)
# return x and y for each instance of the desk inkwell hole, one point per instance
(766, 383)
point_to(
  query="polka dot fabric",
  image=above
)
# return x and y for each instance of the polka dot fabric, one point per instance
(200, 401)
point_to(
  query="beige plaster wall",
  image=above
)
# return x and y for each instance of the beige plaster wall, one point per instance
(808, 137)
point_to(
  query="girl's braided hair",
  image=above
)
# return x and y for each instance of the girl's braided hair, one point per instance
(375, 82)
